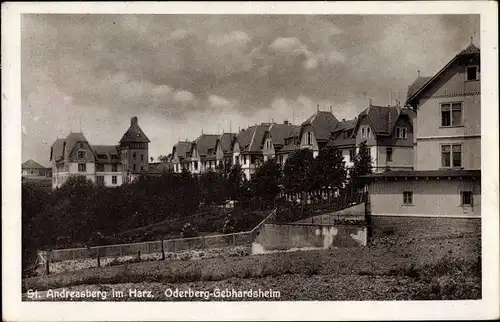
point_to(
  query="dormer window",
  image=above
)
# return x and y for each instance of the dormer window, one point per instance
(401, 133)
(472, 73)
(82, 154)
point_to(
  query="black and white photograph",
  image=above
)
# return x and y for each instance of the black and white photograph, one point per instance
(188, 157)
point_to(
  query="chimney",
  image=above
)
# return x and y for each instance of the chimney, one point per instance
(370, 101)
(331, 109)
(285, 122)
(317, 107)
(343, 120)
(418, 73)
(133, 121)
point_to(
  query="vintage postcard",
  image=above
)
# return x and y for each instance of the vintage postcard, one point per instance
(264, 161)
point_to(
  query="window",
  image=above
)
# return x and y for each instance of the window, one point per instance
(196, 165)
(363, 133)
(81, 154)
(451, 114)
(114, 167)
(142, 157)
(352, 154)
(408, 197)
(346, 135)
(82, 167)
(368, 132)
(451, 156)
(472, 73)
(466, 198)
(81, 145)
(100, 180)
(388, 154)
(113, 179)
(244, 159)
(309, 138)
(401, 133)
(142, 168)
(133, 167)
(99, 167)
(134, 155)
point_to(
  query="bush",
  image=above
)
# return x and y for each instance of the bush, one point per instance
(188, 231)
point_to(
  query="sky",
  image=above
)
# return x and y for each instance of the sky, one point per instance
(182, 75)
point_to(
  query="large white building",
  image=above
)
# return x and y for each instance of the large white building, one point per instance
(109, 165)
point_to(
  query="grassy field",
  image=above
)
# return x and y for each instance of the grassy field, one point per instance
(394, 268)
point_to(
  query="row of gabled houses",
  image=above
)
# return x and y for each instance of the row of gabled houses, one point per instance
(426, 153)
(387, 131)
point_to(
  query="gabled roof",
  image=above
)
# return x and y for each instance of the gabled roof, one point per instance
(134, 133)
(57, 150)
(416, 90)
(323, 123)
(106, 153)
(279, 132)
(383, 119)
(30, 164)
(204, 143)
(182, 148)
(338, 137)
(250, 140)
(61, 148)
(417, 84)
(226, 141)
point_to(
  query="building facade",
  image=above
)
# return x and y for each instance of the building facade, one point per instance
(108, 165)
(447, 177)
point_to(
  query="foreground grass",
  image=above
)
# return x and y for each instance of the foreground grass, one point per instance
(393, 269)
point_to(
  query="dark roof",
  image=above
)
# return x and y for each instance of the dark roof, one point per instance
(226, 141)
(383, 118)
(470, 50)
(204, 143)
(417, 84)
(30, 164)
(61, 148)
(338, 139)
(105, 153)
(428, 174)
(279, 132)
(134, 133)
(323, 123)
(57, 150)
(182, 148)
(250, 140)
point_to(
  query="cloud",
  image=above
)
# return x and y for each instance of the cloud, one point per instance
(183, 73)
(183, 96)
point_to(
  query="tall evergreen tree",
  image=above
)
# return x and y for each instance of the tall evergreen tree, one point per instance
(362, 166)
(264, 184)
(328, 170)
(297, 172)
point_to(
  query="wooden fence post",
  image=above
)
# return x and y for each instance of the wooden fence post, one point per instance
(47, 270)
(139, 254)
(98, 258)
(162, 251)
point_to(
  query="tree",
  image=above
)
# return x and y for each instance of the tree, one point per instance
(235, 180)
(297, 171)
(212, 186)
(188, 231)
(362, 166)
(164, 158)
(264, 184)
(328, 170)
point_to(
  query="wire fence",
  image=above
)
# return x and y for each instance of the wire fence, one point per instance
(160, 246)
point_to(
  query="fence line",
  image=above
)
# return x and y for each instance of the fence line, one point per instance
(169, 245)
